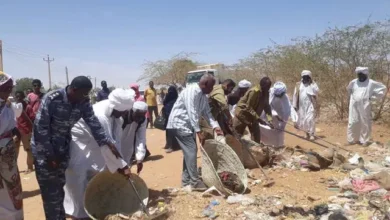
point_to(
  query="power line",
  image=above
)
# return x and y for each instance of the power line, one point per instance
(48, 60)
(25, 50)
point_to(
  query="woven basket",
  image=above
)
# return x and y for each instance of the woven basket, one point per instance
(109, 193)
(216, 158)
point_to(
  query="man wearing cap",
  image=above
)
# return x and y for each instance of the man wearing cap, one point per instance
(87, 158)
(362, 91)
(134, 133)
(281, 109)
(305, 103)
(250, 108)
(235, 96)
(59, 112)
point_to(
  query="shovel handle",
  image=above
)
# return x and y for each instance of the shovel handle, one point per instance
(139, 198)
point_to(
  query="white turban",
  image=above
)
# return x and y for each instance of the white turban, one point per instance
(279, 88)
(121, 99)
(244, 84)
(4, 78)
(306, 73)
(140, 106)
(361, 69)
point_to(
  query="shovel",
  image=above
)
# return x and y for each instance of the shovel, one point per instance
(150, 217)
(139, 198)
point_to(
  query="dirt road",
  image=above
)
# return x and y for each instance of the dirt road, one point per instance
(164, 170)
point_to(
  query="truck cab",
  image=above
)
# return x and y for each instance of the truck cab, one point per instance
(194, 76)
(213, 69)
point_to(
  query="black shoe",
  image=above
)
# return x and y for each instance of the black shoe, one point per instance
(199, 186)
(169, 150)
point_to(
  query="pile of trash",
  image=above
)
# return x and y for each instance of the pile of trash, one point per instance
(231, 181)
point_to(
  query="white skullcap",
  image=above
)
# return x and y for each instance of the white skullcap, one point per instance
(4, 78)
(244, 84)
(279, 88)
(306, 73)
(121, 99)
(140, 106)
(361, 69)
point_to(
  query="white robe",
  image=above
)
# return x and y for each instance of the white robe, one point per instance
(280, 107)
(7, 123)
(128, 144)
(306, 111)
(87, 158)
(359, 122)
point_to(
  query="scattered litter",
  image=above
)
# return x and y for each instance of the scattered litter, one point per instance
(257, 216)
(363, 186)
(243, 200)
(209, 192)
(345, 184)
(209, 212)
(256, 182)
(337, 216)
(383, 178)
(358, 174)
(354, 160)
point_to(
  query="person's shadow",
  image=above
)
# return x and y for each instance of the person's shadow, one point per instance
(154, 158)
(29, 194)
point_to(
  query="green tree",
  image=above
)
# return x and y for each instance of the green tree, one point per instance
(23, 84)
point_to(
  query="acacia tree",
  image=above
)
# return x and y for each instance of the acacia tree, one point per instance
(332, 58)
(170, 71)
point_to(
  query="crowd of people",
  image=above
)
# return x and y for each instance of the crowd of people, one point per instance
(68, 140)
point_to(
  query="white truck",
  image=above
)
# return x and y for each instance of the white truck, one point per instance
(214, 69)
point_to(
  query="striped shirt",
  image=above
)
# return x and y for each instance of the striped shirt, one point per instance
(188, 109)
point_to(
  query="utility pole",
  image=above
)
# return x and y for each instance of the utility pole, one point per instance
(1, 56)
(67, 76)
(48, 60)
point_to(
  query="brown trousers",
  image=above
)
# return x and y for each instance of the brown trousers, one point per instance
(239, 128)
(25, 139)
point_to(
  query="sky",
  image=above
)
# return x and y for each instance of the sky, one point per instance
(111, 40)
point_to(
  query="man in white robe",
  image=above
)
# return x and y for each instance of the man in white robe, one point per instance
(362, 91)
(134, 134)
(281, 110)
(87, 158)
(305, 104)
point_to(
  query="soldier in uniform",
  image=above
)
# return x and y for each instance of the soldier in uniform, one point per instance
(59, 111)
(219, 108)
(250, 107)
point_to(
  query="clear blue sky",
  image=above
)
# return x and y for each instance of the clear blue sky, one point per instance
(112, 39)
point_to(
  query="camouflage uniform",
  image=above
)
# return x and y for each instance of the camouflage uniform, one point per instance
(248, 112)
(50, 141)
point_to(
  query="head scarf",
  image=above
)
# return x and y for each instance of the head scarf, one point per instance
(361, 69)
(306, 73)
(171, 95)
(6, 82)
(244, 84)
(279, 88)
(134, 86)
(140, 106)
(121, 99)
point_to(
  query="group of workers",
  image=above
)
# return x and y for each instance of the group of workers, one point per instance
(72, 140)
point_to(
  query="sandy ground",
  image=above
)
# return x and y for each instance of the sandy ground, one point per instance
(164, 170)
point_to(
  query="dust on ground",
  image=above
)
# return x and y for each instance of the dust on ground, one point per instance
(163, 171)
